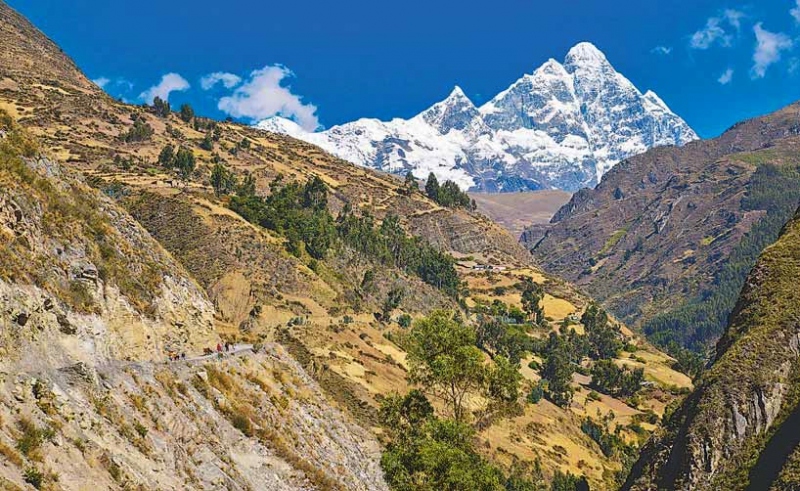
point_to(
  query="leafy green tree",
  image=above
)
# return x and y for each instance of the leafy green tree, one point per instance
(536, 393)
(439, 454)
(187, 113)
(444, 360)
(532, 296)
(557, 371)
(248, 187)
(167, 156)
(208, 142)
(568, 482)
(185, 162)
(315, 194)
(498, 338)
(306, 228)
(140, 131)
(222, 180)
(503, 379)
(393, 299)
(428, 453)
(451, 196)
(611, 379)
(605, 338)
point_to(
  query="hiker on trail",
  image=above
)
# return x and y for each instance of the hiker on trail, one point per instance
(219, 348)
(183, 356)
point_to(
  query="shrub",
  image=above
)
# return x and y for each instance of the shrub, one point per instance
(34, 477)
(243, 424)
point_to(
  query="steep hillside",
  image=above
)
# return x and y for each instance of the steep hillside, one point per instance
(667, 237)
(738, 429)
(562, 126)
(91, 306)
(302, 257)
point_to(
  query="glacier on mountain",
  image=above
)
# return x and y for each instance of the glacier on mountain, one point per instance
(563, 126)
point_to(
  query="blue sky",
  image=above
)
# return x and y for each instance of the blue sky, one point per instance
(714, 62)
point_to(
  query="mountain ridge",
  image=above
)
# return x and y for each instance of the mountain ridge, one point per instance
(673, 229)
(737, 430)
(562, 126)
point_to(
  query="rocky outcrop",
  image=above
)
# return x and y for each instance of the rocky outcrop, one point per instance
(738, 431)
(213, 424)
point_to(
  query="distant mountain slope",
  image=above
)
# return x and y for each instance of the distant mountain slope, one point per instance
(563, 126)
(738, 430)
(516, 211)
(667, 237)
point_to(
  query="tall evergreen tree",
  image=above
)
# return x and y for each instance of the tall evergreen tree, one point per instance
(187, 113)
(432, 187)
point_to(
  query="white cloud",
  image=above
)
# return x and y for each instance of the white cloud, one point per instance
(726, 77)
(664, 50)
(101, 82)
(171, 82)
(262, 96)
(229, 80)
(716, 30)
(734, 17)
(795, 12)
(768, 49)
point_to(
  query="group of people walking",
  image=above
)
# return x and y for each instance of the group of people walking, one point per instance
(225, 347)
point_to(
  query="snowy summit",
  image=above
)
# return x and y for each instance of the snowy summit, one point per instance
(563, 126)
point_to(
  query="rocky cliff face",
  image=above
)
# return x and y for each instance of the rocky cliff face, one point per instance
(90, 307)
(668, 236)
(738, 429)
(563, 126)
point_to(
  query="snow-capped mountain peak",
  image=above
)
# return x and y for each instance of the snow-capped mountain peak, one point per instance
(562, 126)
(585, 54)
(456, 112)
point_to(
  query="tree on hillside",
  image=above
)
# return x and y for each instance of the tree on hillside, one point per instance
(187, 113)
(445, 362)
(161, 107)
(393, 299)
(410, 184)
(532, 296)
(167, 156)
(222, 180)
(248, 186)
(140, 131)
(426, 453)
(432, 187)
(315, 194)
(208, 142)
(605, 338)
(611, 379)
(557, 371)
(451, 196)
(184, 162)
